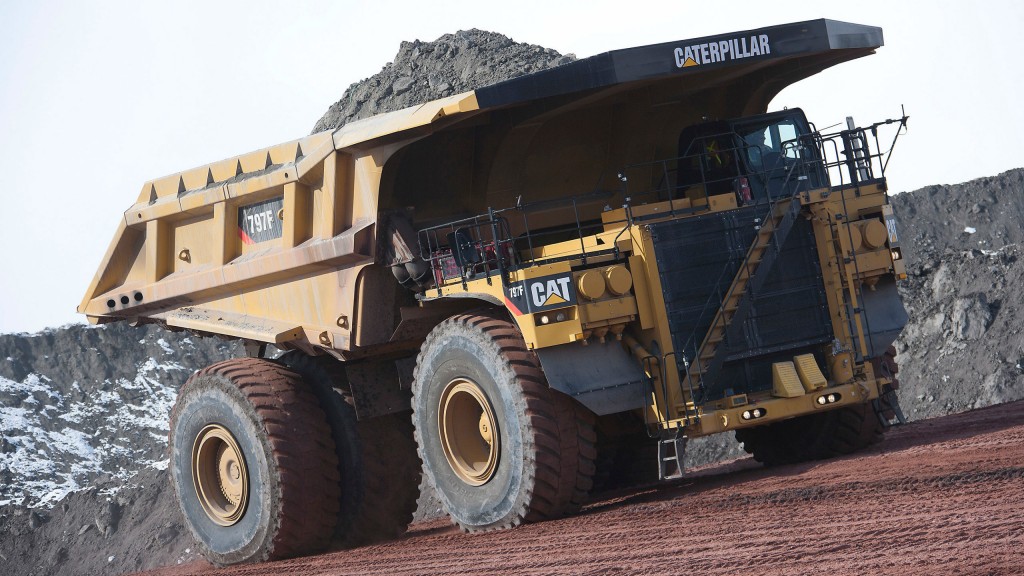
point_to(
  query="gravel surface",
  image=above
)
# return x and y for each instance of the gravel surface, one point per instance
(939, 496)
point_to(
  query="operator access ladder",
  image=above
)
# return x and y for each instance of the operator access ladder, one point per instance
(727, 324)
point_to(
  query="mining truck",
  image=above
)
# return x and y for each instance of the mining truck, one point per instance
(528, 291)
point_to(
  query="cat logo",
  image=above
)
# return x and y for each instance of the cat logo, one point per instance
(722, 50)
(539, 294)
(550, 292)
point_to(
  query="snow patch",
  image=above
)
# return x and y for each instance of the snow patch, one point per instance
(32, 384)
(61, 448)
(970, 230)
(165, 347)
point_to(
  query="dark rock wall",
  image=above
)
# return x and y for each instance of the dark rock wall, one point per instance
(963, 347)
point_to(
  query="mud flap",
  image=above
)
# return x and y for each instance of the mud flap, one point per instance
(887, 405)
(602, 377)
(884, 315)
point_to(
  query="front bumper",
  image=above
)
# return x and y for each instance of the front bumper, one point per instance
(713, 421)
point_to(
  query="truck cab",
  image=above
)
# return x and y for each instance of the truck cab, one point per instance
(753, 156)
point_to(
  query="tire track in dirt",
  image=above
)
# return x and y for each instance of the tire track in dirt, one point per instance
(941, 496)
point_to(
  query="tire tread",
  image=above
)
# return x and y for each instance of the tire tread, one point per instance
(301, 452)
(560, 464)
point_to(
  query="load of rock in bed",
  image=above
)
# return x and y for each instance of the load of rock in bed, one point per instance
(425, 71)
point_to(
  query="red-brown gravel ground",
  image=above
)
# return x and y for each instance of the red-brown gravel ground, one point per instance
(940, 496)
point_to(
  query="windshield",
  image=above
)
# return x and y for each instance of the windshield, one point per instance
(779, 157)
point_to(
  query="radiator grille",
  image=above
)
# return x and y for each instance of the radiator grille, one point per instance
(697, 261)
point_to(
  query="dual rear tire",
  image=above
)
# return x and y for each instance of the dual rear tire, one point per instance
(252, 463)
(268, 461)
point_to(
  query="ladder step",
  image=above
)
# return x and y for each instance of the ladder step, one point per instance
(671, 452)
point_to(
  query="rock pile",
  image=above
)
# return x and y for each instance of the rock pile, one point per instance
(83, 442)
(81, 405)
(94, 532)
(964, 346)
(424, 71)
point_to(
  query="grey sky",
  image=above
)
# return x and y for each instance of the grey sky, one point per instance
(97, 98)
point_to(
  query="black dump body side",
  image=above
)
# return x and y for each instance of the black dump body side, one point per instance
(791, 52)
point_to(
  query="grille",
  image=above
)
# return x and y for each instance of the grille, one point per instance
(697, 261)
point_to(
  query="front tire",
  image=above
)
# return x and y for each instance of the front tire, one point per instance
(498, 445)
(252, 463)
(814, 436)
(828, 434)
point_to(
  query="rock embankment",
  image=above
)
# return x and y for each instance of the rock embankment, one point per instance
(964, 346)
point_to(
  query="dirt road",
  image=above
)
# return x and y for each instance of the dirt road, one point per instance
(942, 496)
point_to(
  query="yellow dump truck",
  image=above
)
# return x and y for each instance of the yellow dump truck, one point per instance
(522, 290)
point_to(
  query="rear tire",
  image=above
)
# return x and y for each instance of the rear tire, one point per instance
(498, 445)
(814, 436)
(377, 461)
(275, 431)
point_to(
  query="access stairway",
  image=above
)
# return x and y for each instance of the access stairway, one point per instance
(727, 324)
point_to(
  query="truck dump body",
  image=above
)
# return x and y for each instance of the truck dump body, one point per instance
(187, 256)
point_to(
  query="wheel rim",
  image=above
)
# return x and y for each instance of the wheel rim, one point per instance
(220, 475)
(469, 432)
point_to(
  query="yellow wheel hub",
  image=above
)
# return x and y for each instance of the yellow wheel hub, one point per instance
(469, 432)
(219, 475)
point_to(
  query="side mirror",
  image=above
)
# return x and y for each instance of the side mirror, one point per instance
(464, 250)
